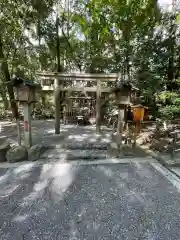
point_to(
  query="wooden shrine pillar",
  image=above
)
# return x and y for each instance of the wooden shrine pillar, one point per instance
(57, 105)
(98, 107)
(120, 124)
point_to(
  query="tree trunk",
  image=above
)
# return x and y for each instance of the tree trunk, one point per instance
(43, 99)
(178, 68)
(172, 43)
(120, 126)
(127, 59)
(57, 94)
(5, 71)
(58, 46)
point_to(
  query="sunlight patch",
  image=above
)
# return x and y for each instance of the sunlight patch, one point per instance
(31, 198)
(4, 177)
(20, 218)
(106, 171)
(62, 181)
(77, 137)
(9, 190)
(40, 185)
(24, 168)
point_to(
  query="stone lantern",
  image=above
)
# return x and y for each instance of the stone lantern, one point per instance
(27, 93)
(123, 93)
(123, 96)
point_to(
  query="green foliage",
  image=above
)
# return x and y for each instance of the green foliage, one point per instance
(167, 95)
(131, 37)
(170, 112)
(169, 104)
(178, 18)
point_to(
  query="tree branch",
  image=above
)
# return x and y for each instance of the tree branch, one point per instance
(71, 49)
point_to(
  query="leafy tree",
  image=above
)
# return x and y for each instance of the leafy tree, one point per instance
(133, 37)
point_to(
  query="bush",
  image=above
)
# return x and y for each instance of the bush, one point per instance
(169, 106)
(170, 112)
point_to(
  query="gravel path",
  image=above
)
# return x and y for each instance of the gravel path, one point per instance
(116, 201)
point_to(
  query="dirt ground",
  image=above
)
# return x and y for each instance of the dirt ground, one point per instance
(43, 132)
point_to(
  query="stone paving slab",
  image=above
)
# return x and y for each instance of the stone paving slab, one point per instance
(121, 201)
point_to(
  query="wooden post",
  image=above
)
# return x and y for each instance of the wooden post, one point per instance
(174, 144)
(18, 131)
(158, 126)
(138, 127)
(120, 126)
(64, 115)
(125, 127)
(27, 125)
(98, 107)
(57, 106)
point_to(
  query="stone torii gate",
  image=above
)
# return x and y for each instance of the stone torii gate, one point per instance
(78, 82)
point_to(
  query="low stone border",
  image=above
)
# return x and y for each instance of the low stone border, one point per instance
(160, 160)
(60, 152)
(109, 161)
(52, 146)
(153, 154)
(159, 157)
(75, 146)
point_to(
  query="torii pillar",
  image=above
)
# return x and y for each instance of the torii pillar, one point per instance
(57, 105)
(98, 107)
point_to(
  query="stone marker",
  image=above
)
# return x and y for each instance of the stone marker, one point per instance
(126, 150)
(113, 149)
(3, 140)
(35, 152)
(17, 154)
(3, 150)
(114, 145)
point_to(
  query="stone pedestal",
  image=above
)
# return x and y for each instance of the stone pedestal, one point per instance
(3, 150)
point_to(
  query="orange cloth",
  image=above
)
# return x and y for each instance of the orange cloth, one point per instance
(138, 114)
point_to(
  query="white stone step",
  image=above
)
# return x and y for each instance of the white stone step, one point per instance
(74, 154)
(86, 145)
